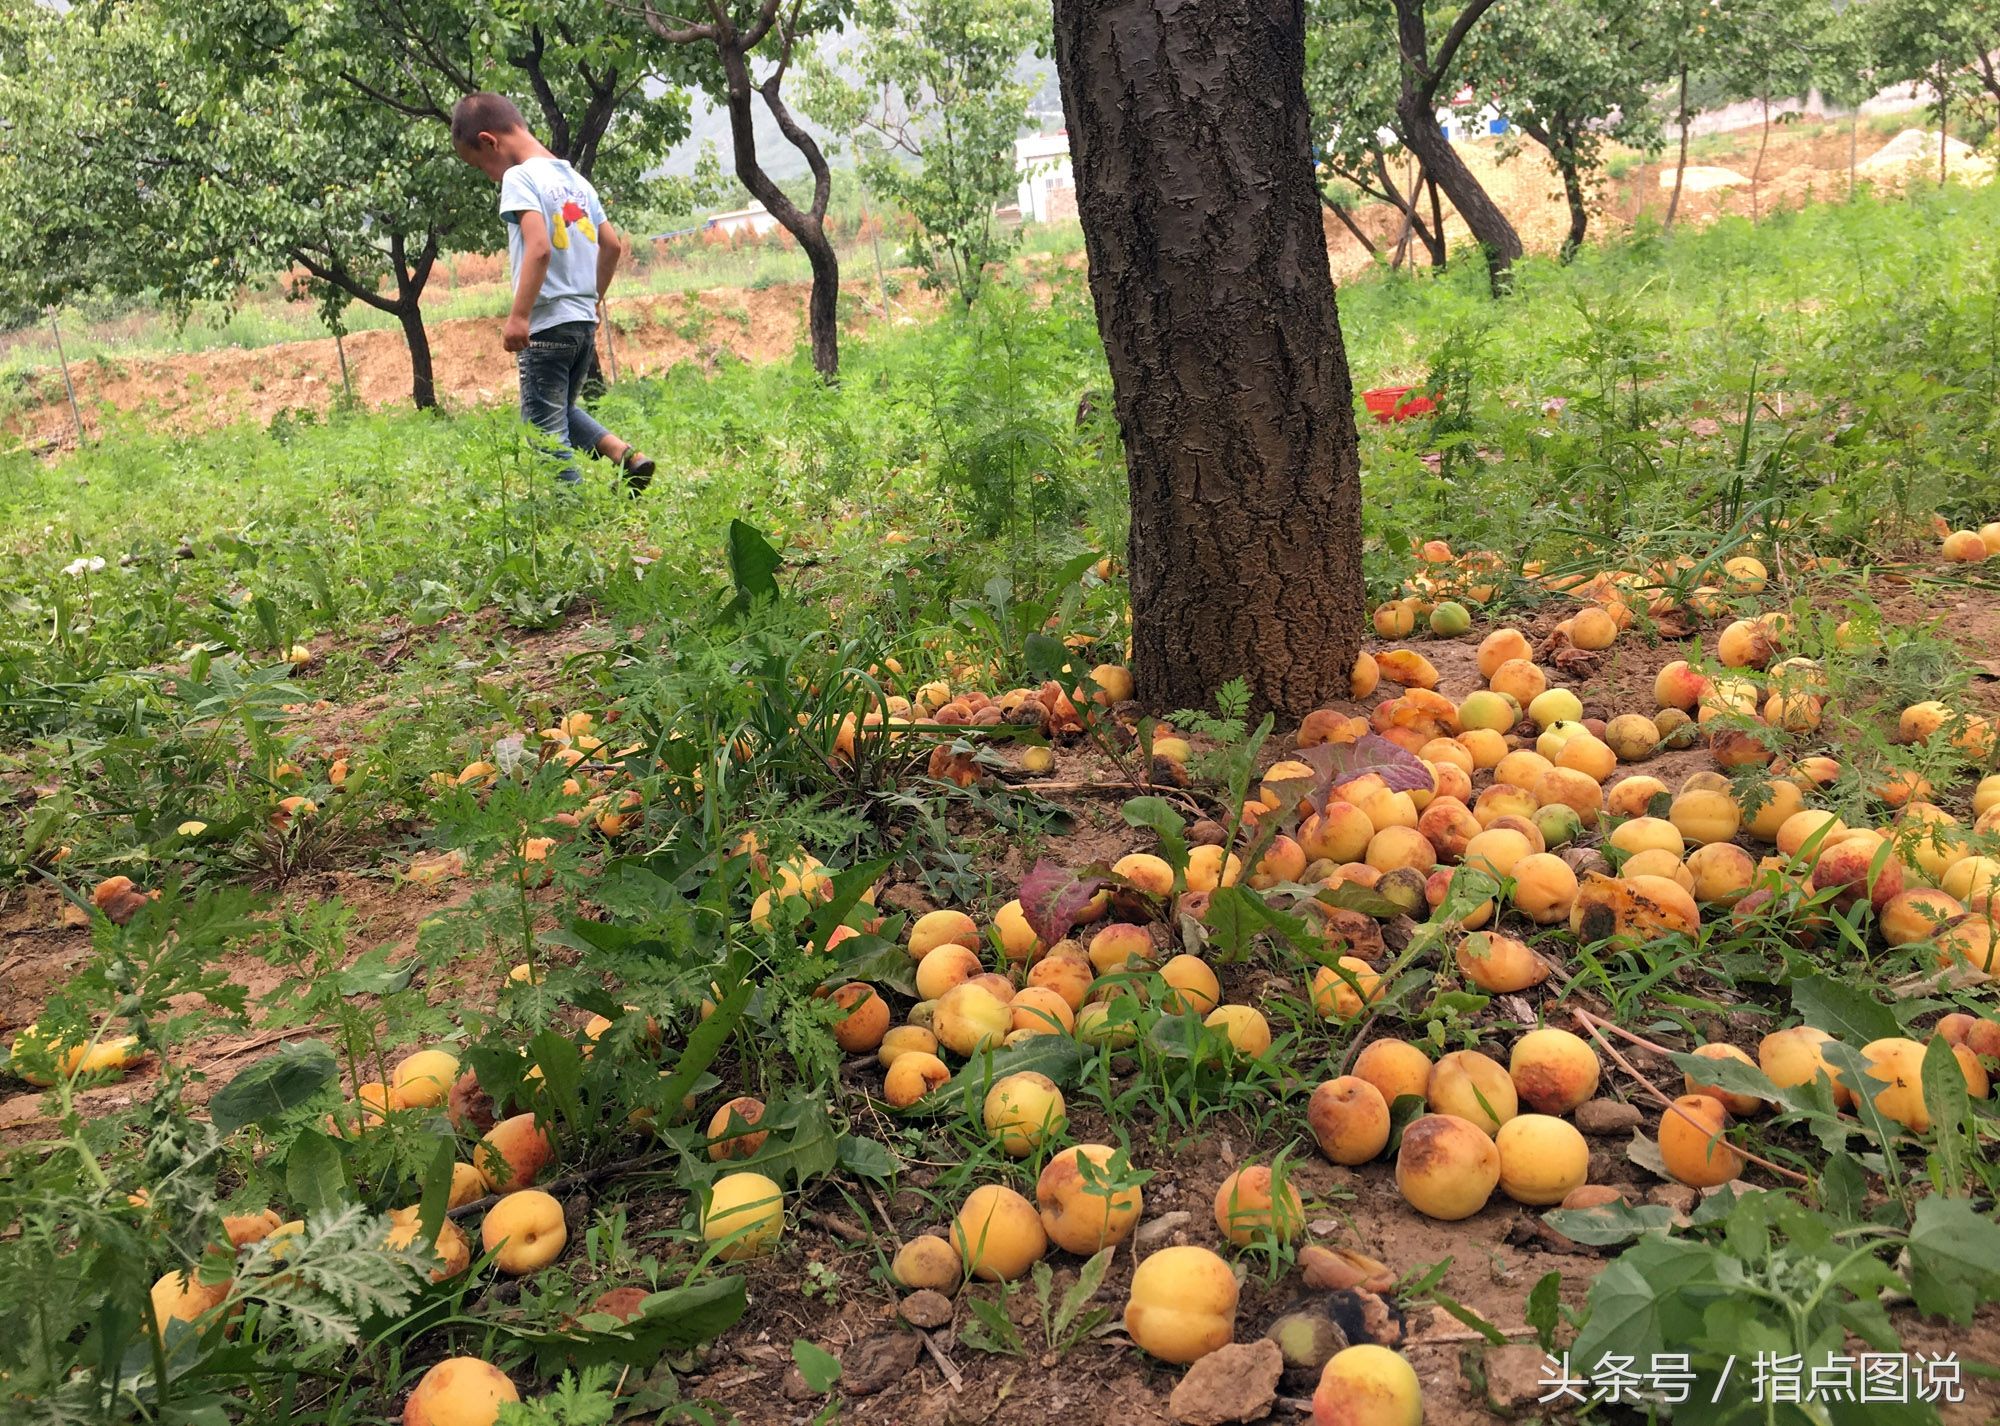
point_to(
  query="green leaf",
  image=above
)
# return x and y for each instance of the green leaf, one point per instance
(879, 962)
(1954, 1258)
(436, 1199)
(1843, 1009)
(1733, 1076)
(1544, 1310)
(1633, 1307)
(753, 568)
(1046, 657)
(812, 1148)
(867, 1158)
(706, 1040)
(1609, 1224)
(1948, 1103)
(1407, 1109)
(1470, 1318)
(315, 1174)
(848, 887)
(1159, 816)
(1056, 1056)
(561, 1063)
(373, 975)
(672, 1321)
(819, 1367)
(1352, 896)
(274, 1085)
(1088, 1279)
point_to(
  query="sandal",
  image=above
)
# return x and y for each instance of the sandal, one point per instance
(638, 471)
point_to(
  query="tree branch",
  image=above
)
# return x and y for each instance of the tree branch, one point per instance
(759, 27)
(336, 275)
(530, 64)
(426, 110)
(1455, 37)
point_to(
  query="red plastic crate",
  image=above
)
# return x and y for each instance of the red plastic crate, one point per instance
(1394, 403)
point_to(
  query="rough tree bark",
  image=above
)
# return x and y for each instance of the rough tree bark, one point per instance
(1417, 126)
(1189, 133)
(733, 47)
(1681, 158)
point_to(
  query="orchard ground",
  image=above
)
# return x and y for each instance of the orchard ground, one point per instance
(385, 614)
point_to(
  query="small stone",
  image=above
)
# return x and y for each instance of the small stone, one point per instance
(878, 1363)
(794, 1388)
(1677, 1196)
(1154, 1229)
(1238, 1382)
(926, 1309)
(1515, 1376)
(1605, 1117)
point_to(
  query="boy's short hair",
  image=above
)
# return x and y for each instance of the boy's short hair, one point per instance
(486, 113)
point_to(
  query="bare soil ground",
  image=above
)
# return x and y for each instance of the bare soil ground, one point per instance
(825, 1284)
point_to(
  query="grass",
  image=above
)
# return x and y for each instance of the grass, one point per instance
(610, 732)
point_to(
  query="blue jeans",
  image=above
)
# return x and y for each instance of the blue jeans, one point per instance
(552, 368)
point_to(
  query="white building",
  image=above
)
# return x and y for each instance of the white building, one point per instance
(1048, 184)
(755, 220)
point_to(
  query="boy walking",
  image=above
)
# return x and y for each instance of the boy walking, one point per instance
(562, 252)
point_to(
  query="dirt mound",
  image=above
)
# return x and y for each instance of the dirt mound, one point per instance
(1916, 151)
(1702, 178)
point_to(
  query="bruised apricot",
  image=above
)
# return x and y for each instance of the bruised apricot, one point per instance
(1473, 1087)
(1349, 1119)
(1553, 1070)
(1446, 1167)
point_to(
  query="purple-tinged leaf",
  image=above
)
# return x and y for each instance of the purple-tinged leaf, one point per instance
(1341, 763)
(1053, 896)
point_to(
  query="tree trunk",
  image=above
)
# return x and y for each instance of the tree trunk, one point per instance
(1563, 155)
(1208, 268)
(423, 385)
(1347, 222)
(1573, 191)
(1944, 128)
(1490, 229)
(1579, 210)
(805, 226)
(1681, 158)
(1436, 241)
(1416, 118)
(1853, 145)
(1757, 173)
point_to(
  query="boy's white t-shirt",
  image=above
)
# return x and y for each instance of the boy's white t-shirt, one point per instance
(569, 205)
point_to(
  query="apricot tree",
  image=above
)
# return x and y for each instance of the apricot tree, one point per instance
(1189, 132)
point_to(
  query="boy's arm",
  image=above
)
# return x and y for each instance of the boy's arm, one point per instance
(611, 248)
(535, 254)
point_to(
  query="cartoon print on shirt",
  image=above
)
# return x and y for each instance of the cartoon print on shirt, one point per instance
(571, 212)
